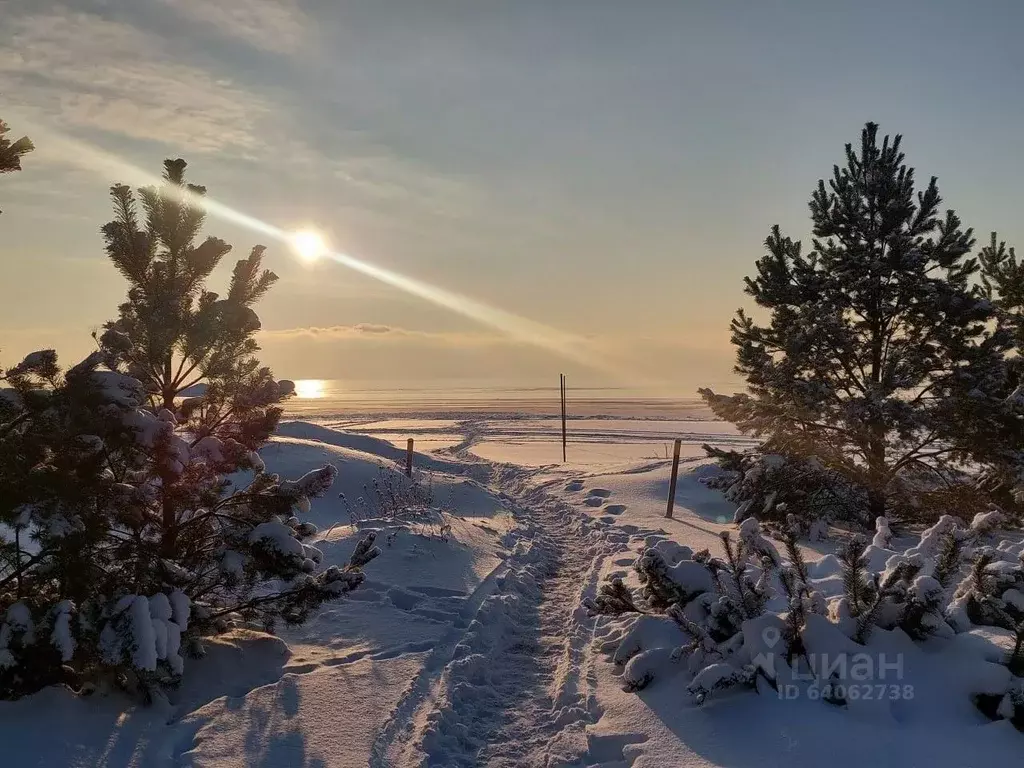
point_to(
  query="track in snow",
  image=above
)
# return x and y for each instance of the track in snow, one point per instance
(546, 701)
(514, 688)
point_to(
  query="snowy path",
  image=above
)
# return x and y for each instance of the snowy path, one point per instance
(517, 686)
(547, 688)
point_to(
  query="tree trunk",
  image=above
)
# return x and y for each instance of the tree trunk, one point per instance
(17, 546)
(168, 540)
(876, 473)
(167, 385)
(876, 503)
(170, 533)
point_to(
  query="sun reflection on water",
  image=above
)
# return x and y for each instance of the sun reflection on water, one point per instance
(310, 389)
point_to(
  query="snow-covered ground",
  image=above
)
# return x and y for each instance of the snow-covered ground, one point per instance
(468, 645)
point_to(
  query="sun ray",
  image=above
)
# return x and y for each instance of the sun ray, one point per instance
(310, 246)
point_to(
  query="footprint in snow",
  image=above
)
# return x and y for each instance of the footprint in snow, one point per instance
(593, 501)
(444, 617)
(366, 595)
(603, 493)
(615, 509)
(438, 591)
(575, 485)
(403, 600)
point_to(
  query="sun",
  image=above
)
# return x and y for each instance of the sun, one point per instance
(309, 245)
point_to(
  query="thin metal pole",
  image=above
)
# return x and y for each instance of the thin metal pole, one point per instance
(562, 376)
(672, 481)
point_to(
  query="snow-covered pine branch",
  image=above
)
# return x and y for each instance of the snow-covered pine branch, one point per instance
(802, 634)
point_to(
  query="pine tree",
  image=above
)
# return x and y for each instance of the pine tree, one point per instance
(173, 334)
(128, 541)
(876, 343)
(11, 152)
(1002, 445)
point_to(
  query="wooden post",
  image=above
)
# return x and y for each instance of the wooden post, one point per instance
(672, 481)
(562, 380)
(408, 459)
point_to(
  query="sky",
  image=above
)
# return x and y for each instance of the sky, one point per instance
(607, 171)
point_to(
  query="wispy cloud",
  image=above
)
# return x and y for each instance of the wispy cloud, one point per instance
(86, 71)
(373, 328)
(272, 25)
(125, 71)
(377, 333)
(387, 178)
